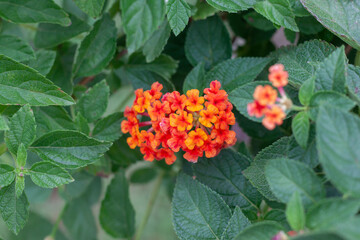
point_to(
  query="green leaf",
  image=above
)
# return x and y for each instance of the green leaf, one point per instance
(156, 43)
(290, 35)
(195, 78)
(328, 213)
(223, 174)
(307, 91)
(69, 149)
(16, 48)
(331, 73)
(353, 82)
(84, 183)
(21, 156)
(300, 61)
(82, 124)
(14, 211)
(260, 231)
(19, 185)
(287, 176)
(140, 19)
(20, 84)
(301, 126)
(198, 212)
(298, 8)
(7, 175)
(279, 12)
(3, 124)
(329, 99)
(22, 129)
(143, 175)
(232, 5)
(236, 72)
(338, 141)
(319, 236)
(92, 8)
(286, 147)
(236, 224)
(92, 105)
(117, 215)
(208, 41)
(50, 35)
(178, 13)
(97, 48)
(258, 21)
(33, 11)
(49, 175)
(295, 212)
(339, 16)
(44, 61)
(204, 10)
(108, 128)
(122, 155)
(349, 228)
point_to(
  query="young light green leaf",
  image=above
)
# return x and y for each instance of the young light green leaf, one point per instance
(50, 35)
(22, 129)
(3, 124)
(195, 78)
(301, 126)
(82, 124)
(69, 149)
(208, 41)
(92, 8)
(16, 48)
(19, 185)
(140, 19)
(117, 203)
(108, 128)
(223, 175)
(97, 48)
(44, 61)
(287, 176)
(22, 85)
(156, 43)
(339, 16)
(330, 99)
(33, 11)
(232, 5)
(21, 156)
(93, 103)
(279, 12)
(299, 61)
(178, 13)
(7, 175)
(260, 231)
(307, 91)
(332, 72)
(236, 72)
(338, 144)
(295, 212)
(204, 10)
(236, 224)
(49, 175)
(198, 212)
(328, 213)
(14, 211)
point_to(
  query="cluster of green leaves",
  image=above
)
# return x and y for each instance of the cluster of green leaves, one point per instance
(68, 68)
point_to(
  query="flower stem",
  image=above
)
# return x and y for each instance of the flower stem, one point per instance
(58, 221)
(357, 58)
(298, 108)
(150, 205)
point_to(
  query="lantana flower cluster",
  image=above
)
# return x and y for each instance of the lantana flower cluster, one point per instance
(196, 124)
(266, 102)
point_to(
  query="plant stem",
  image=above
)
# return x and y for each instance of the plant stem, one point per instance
(150, 205)
(58, 221)
(72, 111)
(357, 58)
(298, 108)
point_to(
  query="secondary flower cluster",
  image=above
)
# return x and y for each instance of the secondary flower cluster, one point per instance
(196, 124)
(266, 101)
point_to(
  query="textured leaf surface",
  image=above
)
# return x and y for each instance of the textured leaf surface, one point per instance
(14, 211)
(300, 126)
(353, 81)
(195, 78)
(91, 7)
(207, 41)
(108, 128)
(198, 212)
(16, 48)
(97, 48)
(49, 175)
(117, 215)
(178, 13)
(295, 212)
(237, 223)
(338, 144)
(7, 175)
(260, 231)
(22, 129)
(287, 176)
(69, 149)
(140, 19)
(232, 5)
(20, 84)
(33, 11)
(339, 16)
(43, 62)
(156, 43)
(223, 174)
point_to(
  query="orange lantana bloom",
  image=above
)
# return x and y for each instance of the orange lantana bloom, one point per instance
(194, 103)
(278, 76)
